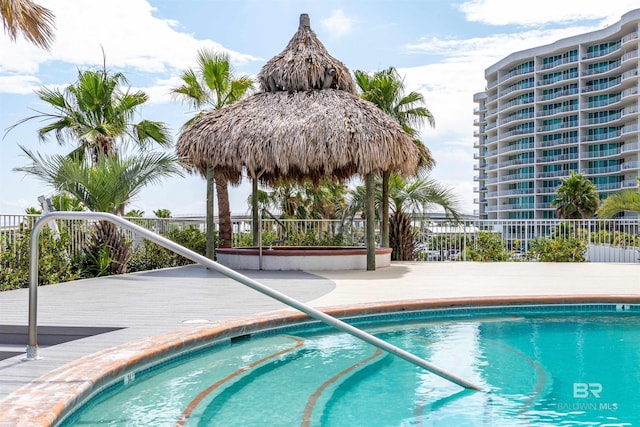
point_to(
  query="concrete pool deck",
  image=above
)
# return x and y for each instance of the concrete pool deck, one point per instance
(177, 302)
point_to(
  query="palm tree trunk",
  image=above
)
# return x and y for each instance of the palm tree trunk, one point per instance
(384, 215)
(370, 213)
(210, 232)
(255, 212)
(224, 210)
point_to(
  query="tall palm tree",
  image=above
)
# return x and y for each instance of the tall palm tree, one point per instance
(213, 84)
(96, 113)
(625, 200)
(34, 22)
(104, 185)
(415, 194)
(385, 89)
(576, 198)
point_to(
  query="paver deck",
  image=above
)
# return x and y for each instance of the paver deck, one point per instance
(165, 301)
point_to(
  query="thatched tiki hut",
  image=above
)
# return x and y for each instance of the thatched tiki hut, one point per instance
(306, 122)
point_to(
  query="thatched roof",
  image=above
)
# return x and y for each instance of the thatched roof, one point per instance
(299, 135)
(302, 125)
(305, 64)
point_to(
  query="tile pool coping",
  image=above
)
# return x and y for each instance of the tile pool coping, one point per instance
(52, 397)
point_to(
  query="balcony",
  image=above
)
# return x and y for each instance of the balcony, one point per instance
(604, 119)
(615, 186)
(556, 126)
(547, 190)
(516, 147)
(516, 191)
(558, 62)
(602, 136)
(514, 117)
(604, 69)
(516, 177)
(602, 52)
(553, 174)
(602, 86)
(629, 37)
(528, 161)
(566, 109)
(562, 141)
(559, 94)
(603, 153)
(558, 158)
(603, 171)
(556, 79)
(516, 87)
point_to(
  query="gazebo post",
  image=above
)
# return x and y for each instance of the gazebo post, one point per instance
(254, 211)
(210, 240)
(370, 214)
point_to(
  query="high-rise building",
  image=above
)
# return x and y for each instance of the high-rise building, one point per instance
(572, 105)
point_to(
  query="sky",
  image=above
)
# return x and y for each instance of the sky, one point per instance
(441, 48)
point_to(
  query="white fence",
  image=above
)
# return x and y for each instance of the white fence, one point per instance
(435, 240)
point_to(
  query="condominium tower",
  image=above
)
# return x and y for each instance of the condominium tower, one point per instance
(568, 106)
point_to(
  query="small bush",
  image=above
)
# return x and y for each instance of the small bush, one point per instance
(558, 250)
(150, 256)
(489, 247)
(54, 263)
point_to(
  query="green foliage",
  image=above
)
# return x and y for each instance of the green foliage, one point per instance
(149, 256)
(296, 238)
(569, 249)
(489, 247)
(310, 238)
(614, 238)
(54, 265)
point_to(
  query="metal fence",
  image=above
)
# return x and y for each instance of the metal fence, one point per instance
(435, 240)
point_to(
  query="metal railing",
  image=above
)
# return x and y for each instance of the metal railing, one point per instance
(32, 347)
(346, 233)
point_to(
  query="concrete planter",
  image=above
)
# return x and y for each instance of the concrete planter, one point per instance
(301, 258)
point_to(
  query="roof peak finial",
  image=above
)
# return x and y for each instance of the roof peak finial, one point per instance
(304, 21)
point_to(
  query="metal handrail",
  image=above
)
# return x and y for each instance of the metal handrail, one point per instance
(32, 346)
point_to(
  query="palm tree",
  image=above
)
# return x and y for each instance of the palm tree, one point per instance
(96, 113)
(25, 17)
(104, 185)
(162, 213)
(415, 194)
(213, 84)
(625, 200)
(307, 201)
(576, 198)
(386, 90)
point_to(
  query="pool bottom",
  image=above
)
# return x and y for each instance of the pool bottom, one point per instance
(54, 396)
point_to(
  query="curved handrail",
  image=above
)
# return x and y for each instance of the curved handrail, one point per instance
(32, 346)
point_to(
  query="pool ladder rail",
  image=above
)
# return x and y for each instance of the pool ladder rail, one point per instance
(32, 346)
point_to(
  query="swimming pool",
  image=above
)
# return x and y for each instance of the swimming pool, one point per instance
(539, 365)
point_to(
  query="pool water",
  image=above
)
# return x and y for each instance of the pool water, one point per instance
(536, 369)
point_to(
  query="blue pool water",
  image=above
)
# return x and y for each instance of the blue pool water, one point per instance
(538, 366)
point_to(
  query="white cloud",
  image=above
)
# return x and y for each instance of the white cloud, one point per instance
(127, 31)
(505, 12)
(338, 24)
(20, 84)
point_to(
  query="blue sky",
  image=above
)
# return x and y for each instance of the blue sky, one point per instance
(440, 47)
